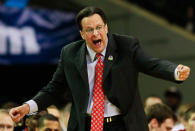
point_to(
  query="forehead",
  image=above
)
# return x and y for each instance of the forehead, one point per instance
(169, 122)
(153, 100)
(92, 20)
(6, 119)
(51, 124)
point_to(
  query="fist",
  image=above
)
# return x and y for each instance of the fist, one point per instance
(19, 112)
(183, 72)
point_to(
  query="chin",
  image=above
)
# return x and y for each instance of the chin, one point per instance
(99, 50)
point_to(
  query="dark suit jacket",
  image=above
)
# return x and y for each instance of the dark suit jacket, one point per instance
(120, 80)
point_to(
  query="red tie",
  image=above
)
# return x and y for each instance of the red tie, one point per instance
(98, 98)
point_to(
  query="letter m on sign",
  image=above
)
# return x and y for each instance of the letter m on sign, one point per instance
(20, 41)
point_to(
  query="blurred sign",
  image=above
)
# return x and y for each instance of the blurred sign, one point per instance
(16, 3)
(34, 35)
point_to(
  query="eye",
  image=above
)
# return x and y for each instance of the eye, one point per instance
(98, 27)
(9, 126)
(193, 119)
(89, 30)
(1, 126)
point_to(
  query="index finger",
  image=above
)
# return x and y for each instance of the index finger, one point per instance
(13, 112)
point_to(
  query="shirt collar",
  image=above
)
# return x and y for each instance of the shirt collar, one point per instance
(92, 53)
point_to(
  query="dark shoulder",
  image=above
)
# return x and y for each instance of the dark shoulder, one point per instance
(124, 37)
(125, 41)
(73, 47)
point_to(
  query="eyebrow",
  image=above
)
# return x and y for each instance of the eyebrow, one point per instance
(7, 125)
(96, 25)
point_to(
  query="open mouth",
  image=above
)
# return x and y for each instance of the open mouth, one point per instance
(97, 42)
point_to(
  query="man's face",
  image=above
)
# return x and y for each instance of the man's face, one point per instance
(94, 32)
(6, 123)
(50, 126)
(191, 123)
(167, 125)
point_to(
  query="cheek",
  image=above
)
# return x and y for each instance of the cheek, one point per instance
(104, 36)
(192, 124)
(89, 41)
(88, 38)
(162, 127)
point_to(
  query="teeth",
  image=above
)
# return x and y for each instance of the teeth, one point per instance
(97, 42)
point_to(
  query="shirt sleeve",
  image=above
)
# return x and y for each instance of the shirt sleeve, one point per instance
(33, 106)
(176, 75)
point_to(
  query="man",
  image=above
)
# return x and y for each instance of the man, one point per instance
(121, 59)
(48, 122)
(151, 100)
(31, 122)
(160, 117)
(179, 125)
(189, 118)
(6, 122)
(173, 97)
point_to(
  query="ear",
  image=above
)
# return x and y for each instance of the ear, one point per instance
(154, 123)
(82, 35)
(106, 28)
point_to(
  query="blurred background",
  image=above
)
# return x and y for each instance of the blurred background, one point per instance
(32, 33)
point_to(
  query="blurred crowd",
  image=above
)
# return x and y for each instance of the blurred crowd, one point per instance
(180, 12)
(169, 113)
(53, 118)
(163, 114)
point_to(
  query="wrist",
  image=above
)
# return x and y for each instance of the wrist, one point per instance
(26, 107)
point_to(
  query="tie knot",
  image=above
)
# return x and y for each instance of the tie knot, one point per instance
(98, 55)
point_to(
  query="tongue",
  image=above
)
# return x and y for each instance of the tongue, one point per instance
(97, 42)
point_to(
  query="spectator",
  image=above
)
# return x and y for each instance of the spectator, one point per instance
(160, 117)
(173, 98)
(7, 106)
(48, 122)
(189, 118)
(179, 126)
(190, 19)
(6, 122)
(32, 122)
(151, 100)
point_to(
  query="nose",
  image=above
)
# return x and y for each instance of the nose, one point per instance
(95, 32)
